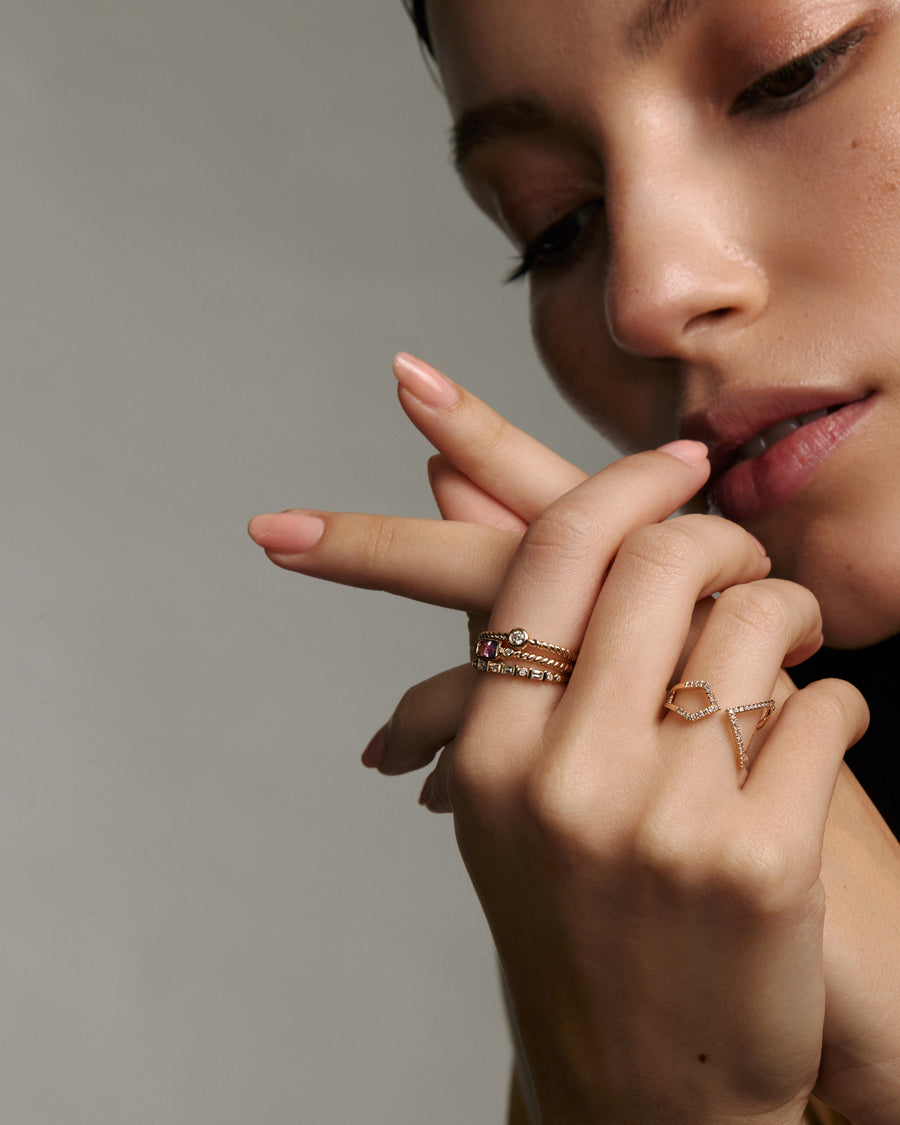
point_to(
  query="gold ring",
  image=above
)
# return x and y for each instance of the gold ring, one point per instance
(767, 706)
(554, 663)
(501, 668)
(517, 643)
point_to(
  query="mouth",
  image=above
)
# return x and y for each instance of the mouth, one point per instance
(778, 431)
(763, 450)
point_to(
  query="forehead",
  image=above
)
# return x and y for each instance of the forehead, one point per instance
(481, 45)
(488, 48)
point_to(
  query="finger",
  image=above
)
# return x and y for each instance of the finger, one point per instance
(797, 768)
(435, 795)
(506, 463)
(459, 499)
(554, 580)
(644, 612)
(424, 721)
(769, 623)
(739, 655)
(557, 571)
(444, 563)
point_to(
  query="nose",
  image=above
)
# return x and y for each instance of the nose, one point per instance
(681, 275)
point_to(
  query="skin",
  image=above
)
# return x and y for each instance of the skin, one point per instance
(682, 941)
(468, 566)
(731, 255)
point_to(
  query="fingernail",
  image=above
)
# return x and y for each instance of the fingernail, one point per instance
(286, 533)
(427, 791)
(690, 452)
(373, 755)
(424, 382)
(762, 550)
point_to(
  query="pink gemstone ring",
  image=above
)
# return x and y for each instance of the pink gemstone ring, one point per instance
(534, 660)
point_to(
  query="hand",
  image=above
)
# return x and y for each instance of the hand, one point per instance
(499, 457)
(860, 1067)
(483, 567)
(489, 473)
(512, 478)
(860, 1070)
(647, 908)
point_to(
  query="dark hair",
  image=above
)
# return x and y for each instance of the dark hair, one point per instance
(416, 11)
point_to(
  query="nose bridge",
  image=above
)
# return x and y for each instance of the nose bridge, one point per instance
(680, 258)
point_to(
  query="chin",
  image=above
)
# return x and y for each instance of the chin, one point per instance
(857, 588)
(849, 634)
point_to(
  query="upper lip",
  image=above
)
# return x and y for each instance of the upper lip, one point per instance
(736, 416)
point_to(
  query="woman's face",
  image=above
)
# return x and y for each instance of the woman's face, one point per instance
(706, 198)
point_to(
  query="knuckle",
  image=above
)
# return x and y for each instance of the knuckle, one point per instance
(667, 548)
(488, 437)
(837, 704)
(475, 780)
(830, 703)
(755, 605)
(566, 807)
(667, 847)
(378, 542)
(764, 873)
(556, 808)
(793, 594)
(756, 873)
(561, 534)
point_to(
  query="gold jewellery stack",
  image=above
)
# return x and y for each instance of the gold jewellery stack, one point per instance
(516, 654)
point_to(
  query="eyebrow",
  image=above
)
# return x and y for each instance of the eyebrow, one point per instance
(522, 115)
(657, 21)
(496, 120)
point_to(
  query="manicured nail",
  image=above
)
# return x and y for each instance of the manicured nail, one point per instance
(690, 452)
(286, 533)
(373, 755)
(424, 382)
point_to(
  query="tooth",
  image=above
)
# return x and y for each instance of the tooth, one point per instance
(781, 430)
(761, 442)
(753, 447)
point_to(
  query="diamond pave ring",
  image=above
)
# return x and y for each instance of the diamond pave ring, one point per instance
(766, 706)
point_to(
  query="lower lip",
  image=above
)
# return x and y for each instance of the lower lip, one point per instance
(752, 489)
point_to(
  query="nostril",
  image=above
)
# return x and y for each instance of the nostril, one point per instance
(712, 316)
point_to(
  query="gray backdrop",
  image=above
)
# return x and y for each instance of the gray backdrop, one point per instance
(220, 219)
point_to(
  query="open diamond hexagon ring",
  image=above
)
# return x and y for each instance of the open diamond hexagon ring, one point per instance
(766, 706)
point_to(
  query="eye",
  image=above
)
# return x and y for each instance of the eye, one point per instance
(799, 79)
(553, 245)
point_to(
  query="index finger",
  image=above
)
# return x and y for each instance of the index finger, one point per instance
(442, 562)
(457, 565)
(501, 459)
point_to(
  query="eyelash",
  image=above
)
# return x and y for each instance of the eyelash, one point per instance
(541, 251)
(753, 99)
(546, 251)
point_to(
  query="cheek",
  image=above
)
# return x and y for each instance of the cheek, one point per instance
(875, 225)
(631, 400)
(851, 199)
